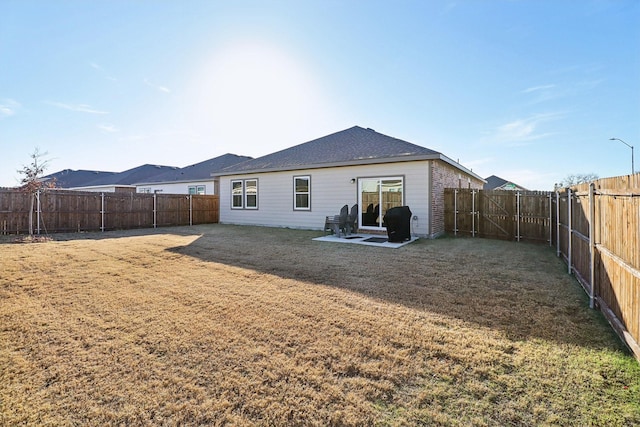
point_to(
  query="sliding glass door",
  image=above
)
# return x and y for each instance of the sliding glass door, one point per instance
(375, 197)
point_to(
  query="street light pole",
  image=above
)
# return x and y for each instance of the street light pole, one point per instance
(630, 146)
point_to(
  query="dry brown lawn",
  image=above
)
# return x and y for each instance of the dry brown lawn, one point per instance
(227, 325)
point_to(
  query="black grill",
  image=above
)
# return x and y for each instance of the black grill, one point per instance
(398, 223)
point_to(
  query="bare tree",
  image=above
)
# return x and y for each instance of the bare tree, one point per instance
(31, 180)
(577, 178)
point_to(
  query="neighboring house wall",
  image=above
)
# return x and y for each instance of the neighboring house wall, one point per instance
(331, 188)
(444, 176)
(107, 189)
(176, 187)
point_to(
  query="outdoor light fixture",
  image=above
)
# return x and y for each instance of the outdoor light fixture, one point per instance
(353, 180)
(630, 146)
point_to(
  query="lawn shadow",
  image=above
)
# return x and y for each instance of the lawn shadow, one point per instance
(520, 289)
(111, 234)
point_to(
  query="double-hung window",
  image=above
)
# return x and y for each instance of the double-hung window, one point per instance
(251, 194)
(244, 194)
(196, 189)
(302, 193)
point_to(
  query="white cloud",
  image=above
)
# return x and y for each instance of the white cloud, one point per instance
(522, 131)
(108, 128)
(157, 87)
(102, 71)
(539, 88)
(82, 108)
(8, 107)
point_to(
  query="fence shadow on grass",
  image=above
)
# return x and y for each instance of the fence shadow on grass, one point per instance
(519, 289)
(98, 235)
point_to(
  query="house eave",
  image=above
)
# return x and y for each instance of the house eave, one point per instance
(182, 181)
(103, 186)
(462, 168)
(354, 162)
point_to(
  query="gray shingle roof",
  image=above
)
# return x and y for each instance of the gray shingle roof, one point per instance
(355, 145)
(131, 176)
(198, 171)
(494, 182)
(69, 178)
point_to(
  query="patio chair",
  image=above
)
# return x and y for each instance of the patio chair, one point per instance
(337, 223)
(352, 219)
(367, 217)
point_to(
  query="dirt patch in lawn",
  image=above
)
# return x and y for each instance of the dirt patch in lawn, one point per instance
(250, 326)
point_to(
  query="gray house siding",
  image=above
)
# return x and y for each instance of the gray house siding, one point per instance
(331, 188)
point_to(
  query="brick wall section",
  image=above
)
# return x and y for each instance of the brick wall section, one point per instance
(444, 176)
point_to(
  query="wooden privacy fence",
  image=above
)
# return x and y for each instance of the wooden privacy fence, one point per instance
(595, 228)
(598, 232)
(58, 211)
(499, 214)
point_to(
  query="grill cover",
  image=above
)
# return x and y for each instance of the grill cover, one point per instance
(398, 223)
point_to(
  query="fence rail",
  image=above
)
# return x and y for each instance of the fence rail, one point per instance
(58, 211)
(595, 228)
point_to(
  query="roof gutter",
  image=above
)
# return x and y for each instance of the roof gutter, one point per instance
(462, 168)
(355, 162)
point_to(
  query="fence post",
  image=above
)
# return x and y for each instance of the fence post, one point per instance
(38, 211)
(155, 208)
(550, 221)
(455, 212)
(569, 231)
(478, 194)
(190, 209)
(473, 213)
(592, 244)
(518, 216)
(102, 212)
(558, 223)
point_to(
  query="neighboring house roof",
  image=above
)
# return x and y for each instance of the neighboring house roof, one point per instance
(198, 171)
(74, 178)
(353, 146)
(130, 176)
(497, 183)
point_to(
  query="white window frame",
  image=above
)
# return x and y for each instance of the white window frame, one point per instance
(244, 193)
(197, 189)
(362, 208)
(247, 193)
(297, 193)
(233, 205)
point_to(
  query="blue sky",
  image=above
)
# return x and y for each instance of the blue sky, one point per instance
(530, 91)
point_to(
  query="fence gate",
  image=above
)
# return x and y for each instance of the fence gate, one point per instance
(505, 215)
(496, 212)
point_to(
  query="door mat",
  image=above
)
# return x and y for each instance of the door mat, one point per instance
(376, 240)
